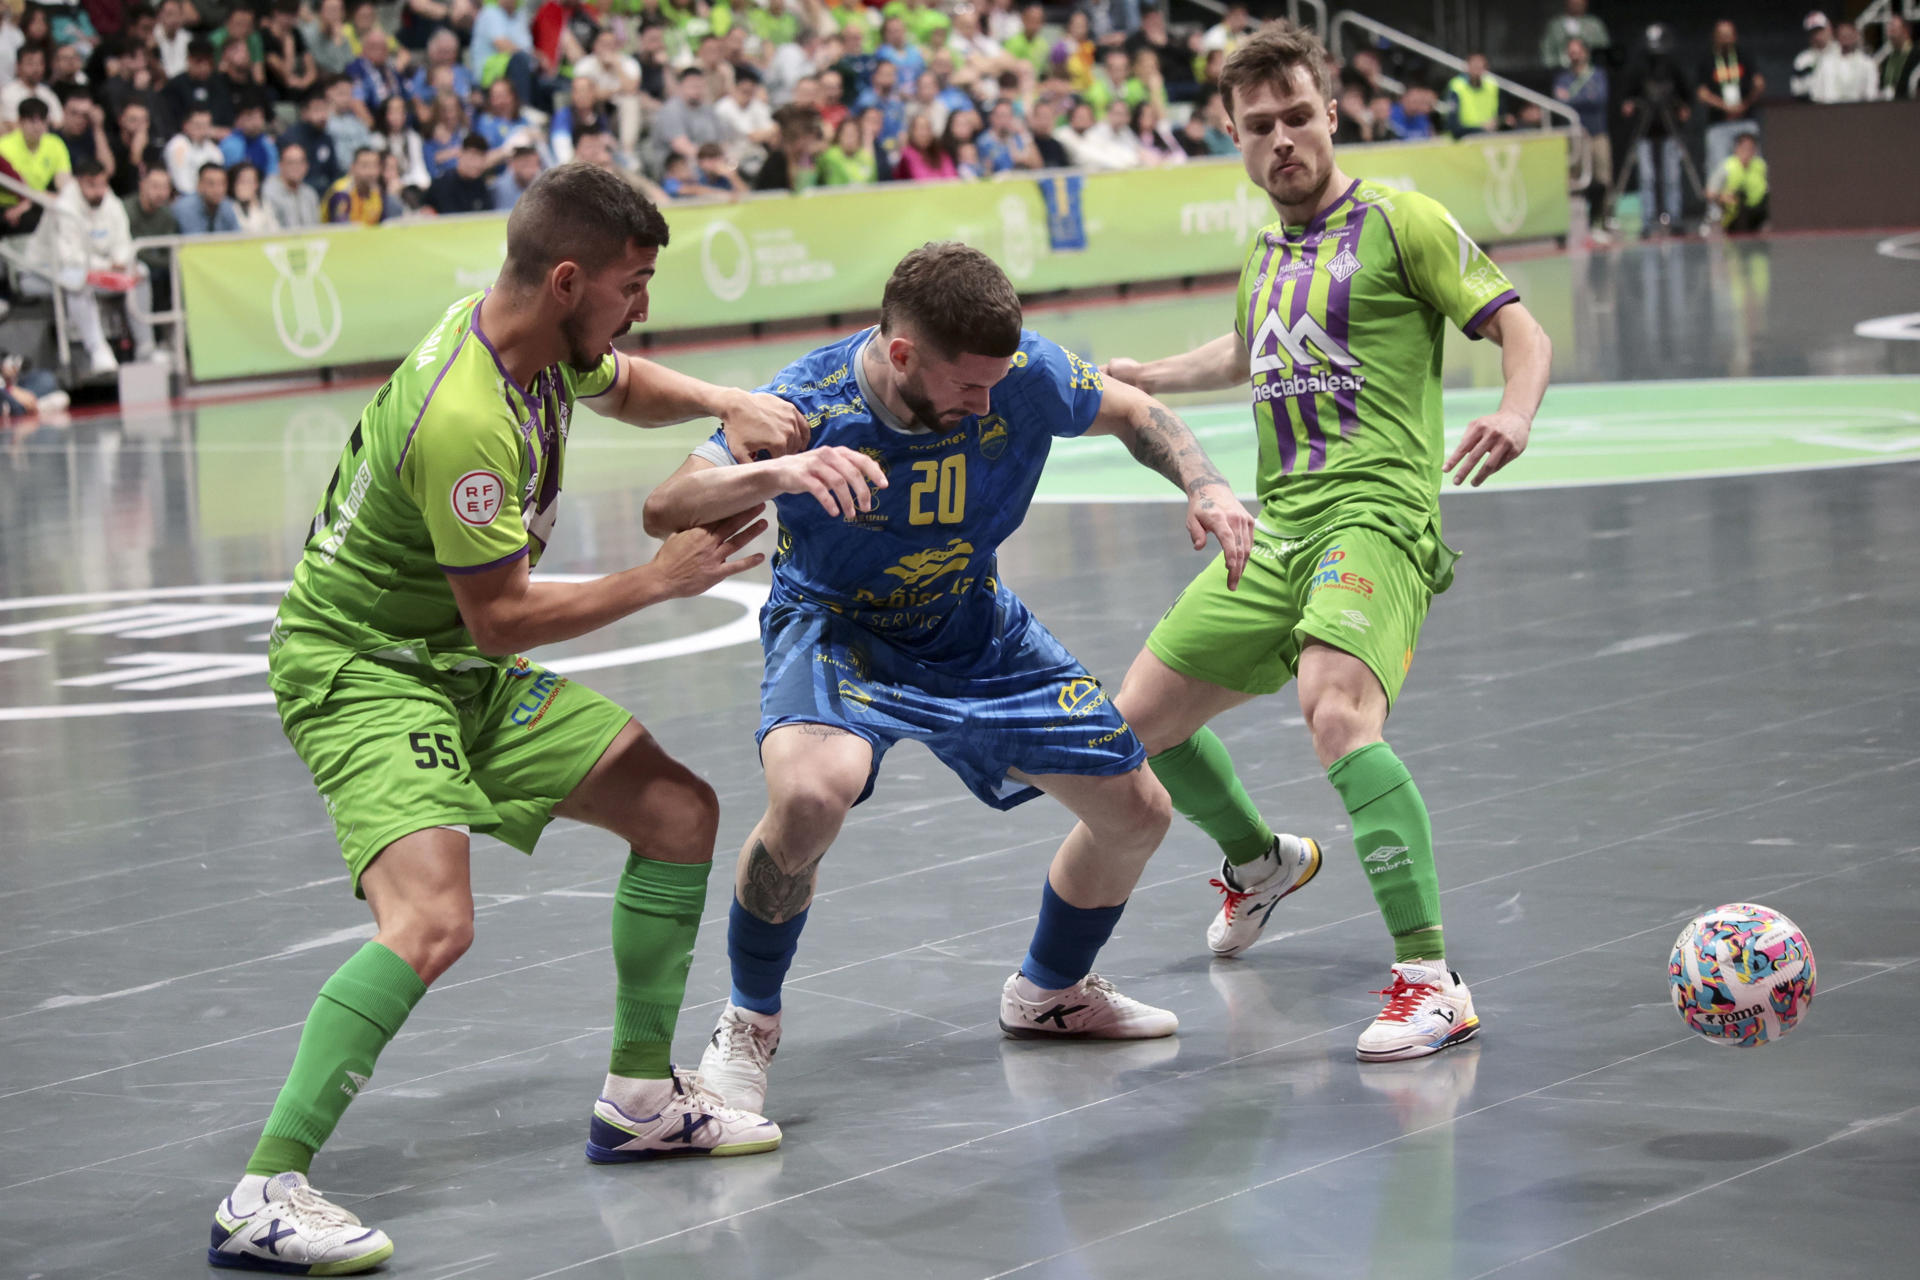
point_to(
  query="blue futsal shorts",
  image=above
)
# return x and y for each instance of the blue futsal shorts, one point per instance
(1025, 703)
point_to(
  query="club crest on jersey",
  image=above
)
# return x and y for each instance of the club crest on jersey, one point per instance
(1343, 265)
(993, 436)
(477, 496)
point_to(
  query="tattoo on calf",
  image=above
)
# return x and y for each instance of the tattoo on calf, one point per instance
(771, 893)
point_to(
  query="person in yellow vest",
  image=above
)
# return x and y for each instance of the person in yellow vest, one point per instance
(1740, 187)
(359, 197)
(1473, 100)
(35, 155)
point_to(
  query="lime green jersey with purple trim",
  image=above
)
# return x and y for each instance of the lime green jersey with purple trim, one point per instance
(1344, 319)
(453, 468)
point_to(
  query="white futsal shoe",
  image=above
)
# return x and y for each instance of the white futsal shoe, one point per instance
(1427, 1008)
(738, 1054)
(1090, 1009)
(295, 1231)
(1248, 905)
(692, 1121)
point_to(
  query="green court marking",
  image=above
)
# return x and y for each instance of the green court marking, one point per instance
(1586, 434)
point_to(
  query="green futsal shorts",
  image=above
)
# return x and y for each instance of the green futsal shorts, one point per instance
(396, 749)
(1354, 588)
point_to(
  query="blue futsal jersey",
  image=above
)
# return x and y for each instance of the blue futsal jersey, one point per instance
(894, 624)
(918, 569)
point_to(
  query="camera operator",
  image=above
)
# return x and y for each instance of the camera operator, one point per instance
(1656, 106)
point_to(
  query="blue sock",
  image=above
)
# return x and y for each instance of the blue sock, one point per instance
(760, 953)
(1066, 940)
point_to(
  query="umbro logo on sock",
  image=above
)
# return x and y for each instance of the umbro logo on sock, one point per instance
(353, 1084)
(1058, 1015)
(1385, 853)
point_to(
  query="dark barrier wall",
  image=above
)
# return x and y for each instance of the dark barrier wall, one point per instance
(1843, 165)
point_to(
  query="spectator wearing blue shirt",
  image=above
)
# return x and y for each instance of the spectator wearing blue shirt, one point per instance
(907, 59)
(1584, 87)
(443, 50)
(883, 96)
(1005, 145)
(249, 141)
(372, 74)
(1412, 116)
(206, 208)
(502, 46)
(519, 174)
(505, 125)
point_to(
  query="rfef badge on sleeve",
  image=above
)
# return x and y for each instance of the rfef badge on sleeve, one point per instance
(1066, 228)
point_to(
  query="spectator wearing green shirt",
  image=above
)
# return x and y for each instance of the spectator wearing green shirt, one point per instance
(1473, 99)
(1575, 24)
(849, 161)
(40, 158)
(924, 21)
(1739, 187)
(1033, 42)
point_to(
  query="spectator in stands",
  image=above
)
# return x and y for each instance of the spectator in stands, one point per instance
(854, 64)
(66, 71)
(421, 20)
(905, 56)
(83, 129)
(793, 163)
(1584, 87)
(973, 50)
(198, 89)
(464, 187)
(1033, 42)
(249, 142)
(1473, 100)
(373, 75)
(616, 78)
(150, 213)
(1356, 123)
(363, 18)
(716, 173)
(29, 81)
(329, 39)
(39, 159)
(1575, 24)
(1812, 65)
(1150, 129)
(360, 196)
(1176, 65)
(1363, 73)
(506, 125)
(849, 161)
(86, 251)
(294, 203)
(1899, 70)
(449, 129)
(1225, 35)
(398, 138)
(1657, 93)
(585, 113)
(290, 68)
(1006, 145)
(1112, 79)
(171, 37)
(128, 144)
(834, 107)
(883, 93)
(238, 28)
(311, 135)
(134, 77)
(922, 156)
(679, 181)
(249, 201)
(746, 125)
(1412, 116)
(871, 125)
(1738, 188)
(1107, 144)
(443, 51)
(205, 209)
(1205, 132)
(1147, 83)
(1853, 76)
(522, 168)
(686, 121)
(193, 148)
(1729, 89)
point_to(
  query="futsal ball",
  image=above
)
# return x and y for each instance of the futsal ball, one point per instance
(1742, 974)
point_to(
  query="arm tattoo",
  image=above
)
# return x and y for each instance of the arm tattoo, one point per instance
(772, 894)
(1165, 444)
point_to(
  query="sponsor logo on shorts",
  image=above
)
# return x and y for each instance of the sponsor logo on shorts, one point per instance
(1329, 574)
(532, 707)
(1081, 697)
(477, 496)
(851, 692)
(1112, 736)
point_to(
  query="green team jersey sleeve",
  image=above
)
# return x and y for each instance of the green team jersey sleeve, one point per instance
(462, 471)
(1446, 269)
(602, 378)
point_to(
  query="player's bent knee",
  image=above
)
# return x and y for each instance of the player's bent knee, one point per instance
(1339, 726)
(679, 821)
(1139, 814)
(431, 938)
(812, 805)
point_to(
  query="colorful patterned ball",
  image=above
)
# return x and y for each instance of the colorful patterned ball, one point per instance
(1742, 974)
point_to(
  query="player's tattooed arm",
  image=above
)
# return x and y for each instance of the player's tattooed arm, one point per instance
(773, 893)
(1165, 444)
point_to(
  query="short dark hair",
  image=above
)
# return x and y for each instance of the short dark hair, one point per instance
(956, 299)
(88, 168)
(200, 47)
(1270, 55)
(578, 213)
(213, 165)
(474, 142)
(33, 109)
(364, 151)
(689, 74)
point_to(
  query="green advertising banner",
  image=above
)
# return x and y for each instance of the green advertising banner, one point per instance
(343, 295)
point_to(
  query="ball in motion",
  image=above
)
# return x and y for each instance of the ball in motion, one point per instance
(1741, 974)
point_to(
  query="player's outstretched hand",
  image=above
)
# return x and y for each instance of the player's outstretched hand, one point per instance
(842, 479)
(695, 559)
(1212, 509)
(1492, 441)
(1124, 370)
(764, 426)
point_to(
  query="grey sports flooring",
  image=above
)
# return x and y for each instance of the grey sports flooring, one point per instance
(1638, 702)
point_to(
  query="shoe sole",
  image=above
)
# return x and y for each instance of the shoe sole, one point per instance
(1461, 1035)
(1313, 869)
(348, 1267)
(608, 1155)
(1028, 1033)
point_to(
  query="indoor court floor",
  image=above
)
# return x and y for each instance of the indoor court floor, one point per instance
(1679, 668)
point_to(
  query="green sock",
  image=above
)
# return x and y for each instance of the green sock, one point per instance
(1394, 838)
(1198, 775)
(656, 913)
(360, 1009)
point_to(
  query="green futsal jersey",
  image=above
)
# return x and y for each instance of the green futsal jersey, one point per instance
(1344, 319)
(454, 467)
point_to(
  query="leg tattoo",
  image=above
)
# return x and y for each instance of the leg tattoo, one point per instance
(772, 894)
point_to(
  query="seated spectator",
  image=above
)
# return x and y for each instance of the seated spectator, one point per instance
(1212, 136)
(150, 213)
(360, 196)
(1851, 74)
(171, 37)
(311, 135)
(1075, 55)
(1225, 36)
(136, 79)
(1575, 24)
(506, 125)
(1111, 81)
(790, 166)
(1043, 119)
(29, 394)
(1006, 145)
(854, 64)
(249, 142)
(464, 187)
(373, 75)
(402, 198)
(240, 26)
(329, 39)
(421, 20)
(205, 209)
(1412, 116)
(1473, 100)
(128, 143)
(1899, 69)
(895, 47)
(66, 71)
(1108, 143)
(791, 63)
(884, 93)
(686, 121)
(616, 80)
(86, 251)
(192, 149)
(713, 168)
(1033, 42)
(83, 130)
(39, 159)
(244, 80)
(363, 18)
(1363, 72)
(849, 161)
(443, 139)
(1158, 146)
(398, 138)
(680, 181)
(922, 157)
(29, 81)
(963, 130)
(443, 51)
(198, 89)
(1147, 82)
(585, 112)
(1739, 187)
(522, 168)
(502, 45)
(290, 68)
(243, 180)
(834, 108)
(1356, 123)
(747, 128)
(295, 204)
(871, 126)
(349, 123)
(1176, 64)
